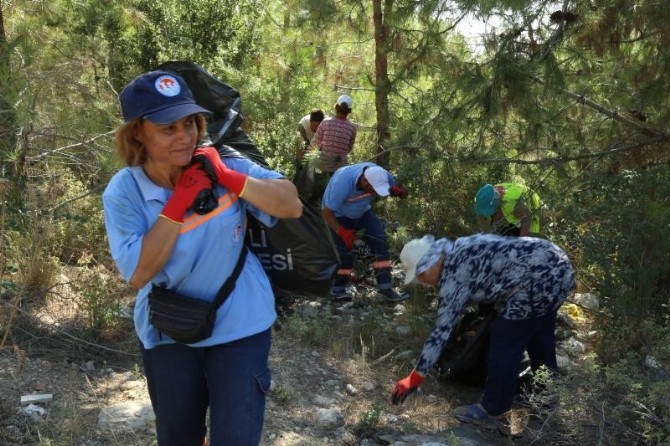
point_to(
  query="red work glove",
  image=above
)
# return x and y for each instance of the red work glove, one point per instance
(211, 161)
(193, 180)
(398, 191)
(406, 386)
(348, 236)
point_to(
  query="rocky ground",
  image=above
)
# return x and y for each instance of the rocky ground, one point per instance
(88, 394)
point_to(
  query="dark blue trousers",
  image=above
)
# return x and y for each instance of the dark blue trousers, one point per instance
(509, 339)
(375, 237)
(231, 379)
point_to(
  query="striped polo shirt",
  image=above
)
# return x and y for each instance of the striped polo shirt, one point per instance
(335, 138)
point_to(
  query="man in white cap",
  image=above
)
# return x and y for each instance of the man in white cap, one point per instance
(346, 208)
(334, 139)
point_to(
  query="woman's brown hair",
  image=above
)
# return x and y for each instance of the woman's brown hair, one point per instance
(130, 149)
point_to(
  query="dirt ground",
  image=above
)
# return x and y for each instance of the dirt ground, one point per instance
(85, 376)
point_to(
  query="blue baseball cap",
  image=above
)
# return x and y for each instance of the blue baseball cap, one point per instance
(486, 201)
(159, 97)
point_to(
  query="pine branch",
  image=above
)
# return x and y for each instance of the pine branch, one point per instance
(615, 149)
(612, 114)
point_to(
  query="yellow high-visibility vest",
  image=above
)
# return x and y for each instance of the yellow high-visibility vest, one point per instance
(514, 192)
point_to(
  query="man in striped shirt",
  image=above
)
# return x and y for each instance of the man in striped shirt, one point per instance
(334, 139)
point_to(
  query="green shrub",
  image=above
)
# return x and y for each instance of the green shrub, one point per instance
(368, 422)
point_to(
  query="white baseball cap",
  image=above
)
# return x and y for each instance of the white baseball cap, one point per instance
(378, 179)
(411, 254)
(345, 101)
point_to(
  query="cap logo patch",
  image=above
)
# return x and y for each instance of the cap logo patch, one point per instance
(167, 85)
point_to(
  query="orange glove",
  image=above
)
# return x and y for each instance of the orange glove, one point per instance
(348, 236)
(398, 191)
(192, 182)
(211, 161)
(406, 386)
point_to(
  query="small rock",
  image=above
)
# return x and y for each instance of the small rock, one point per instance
(587, 300)
(368, 386)
(131, 416)
(391, 419)
(403, 330)
(323, 401)
(563, 362)
(399, 309)
(329, 418)
(351, 390)
(573, 346)
(88, 366)
(309, 310)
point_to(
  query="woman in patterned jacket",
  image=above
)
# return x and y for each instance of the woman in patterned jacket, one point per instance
(526, 278)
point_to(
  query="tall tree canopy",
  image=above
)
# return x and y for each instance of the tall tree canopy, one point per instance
(564, 96)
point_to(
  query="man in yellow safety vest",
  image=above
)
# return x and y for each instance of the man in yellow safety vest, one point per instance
(508, 209)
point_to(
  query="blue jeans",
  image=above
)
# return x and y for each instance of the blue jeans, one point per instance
(375, 237)
(509, 339)
(231, 379)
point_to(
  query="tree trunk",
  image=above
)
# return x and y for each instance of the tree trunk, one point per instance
(7, 116)
(382, 81)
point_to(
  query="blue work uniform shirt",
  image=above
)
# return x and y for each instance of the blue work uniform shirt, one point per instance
(343, 197)
(203, 257)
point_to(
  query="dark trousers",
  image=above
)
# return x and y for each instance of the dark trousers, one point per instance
(231, 379)
(311, 185)
(375, 237)
(509, 339)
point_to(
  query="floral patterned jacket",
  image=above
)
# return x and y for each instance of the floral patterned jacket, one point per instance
(525, 277)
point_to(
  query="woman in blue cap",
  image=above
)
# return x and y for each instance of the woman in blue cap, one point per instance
(508, 209)
(160, 236)
(527, 278)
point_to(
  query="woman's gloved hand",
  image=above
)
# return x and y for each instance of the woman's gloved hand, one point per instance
(406, 386)
(193, 181)
(210, 160)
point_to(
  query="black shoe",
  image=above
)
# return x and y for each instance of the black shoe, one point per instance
(389, 295)
(341, 295)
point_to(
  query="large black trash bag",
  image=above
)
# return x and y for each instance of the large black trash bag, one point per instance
(464, 358)
(298, 255)
(216, 96)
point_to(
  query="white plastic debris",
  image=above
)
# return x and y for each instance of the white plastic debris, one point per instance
(36, 398)
(33, 411)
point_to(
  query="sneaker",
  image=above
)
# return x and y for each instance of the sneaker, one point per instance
(476, 414)
(389, 295)
(341, 294)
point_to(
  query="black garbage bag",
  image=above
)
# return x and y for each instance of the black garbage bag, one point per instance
(464, 358)
(211, 93)
(298, 255)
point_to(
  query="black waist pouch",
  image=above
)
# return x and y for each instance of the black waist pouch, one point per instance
(185, 319)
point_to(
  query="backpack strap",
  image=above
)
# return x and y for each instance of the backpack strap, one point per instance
(229, 284)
